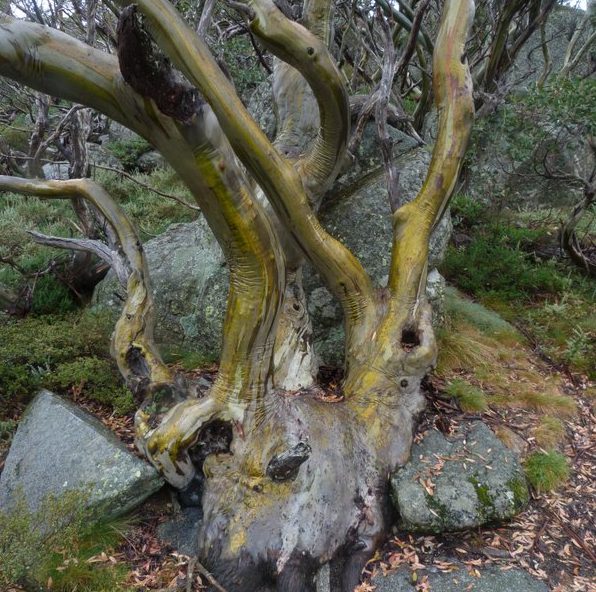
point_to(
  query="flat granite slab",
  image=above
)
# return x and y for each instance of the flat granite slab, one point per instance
(492, 579)
(59, 448)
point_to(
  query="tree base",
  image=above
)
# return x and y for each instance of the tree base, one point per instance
(305, 484)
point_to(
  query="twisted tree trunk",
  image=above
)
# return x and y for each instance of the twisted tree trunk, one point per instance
(290, 479)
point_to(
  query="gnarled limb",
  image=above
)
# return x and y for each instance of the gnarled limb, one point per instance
(138, 359)
(453, 98)
(167, 423)
(282, 184)
(401, 325)
(199, 153)
(303, 50)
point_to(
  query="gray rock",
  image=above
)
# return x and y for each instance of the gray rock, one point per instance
(150, 161)
(190, 279)
(436, 288)
(490, 322)
(260, 106)
(102, 156)
(359, 214)
(181, 531)
(473, 477)
(118, 132)
(58, 448)
(491, 579)
(55, 170)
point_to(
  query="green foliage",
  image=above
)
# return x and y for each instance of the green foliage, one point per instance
(242, 64)
(54, 543)
(469, 397)
(52, 297)
(128, 152)
(17, 216)
(498, 265)
(96, 378)
(546, 470)
(17, 133)
(491, 267)
(151, 212)
(63, 352)
(467, 212)
(7, 429)
(528, 119)
(565, 326)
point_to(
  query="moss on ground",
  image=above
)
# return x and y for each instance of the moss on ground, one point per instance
(68, 353)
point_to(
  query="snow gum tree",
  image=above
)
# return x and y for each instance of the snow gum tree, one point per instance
(292, 479)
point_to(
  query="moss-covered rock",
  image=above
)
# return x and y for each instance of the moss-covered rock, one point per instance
(464, 482)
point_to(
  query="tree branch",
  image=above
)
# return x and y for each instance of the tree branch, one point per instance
(414, 221)
(138, 359)
(304, 51)
(342, 273)
(57, 64)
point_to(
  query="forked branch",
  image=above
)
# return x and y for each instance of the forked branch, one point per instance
(404, 340)
(413, 222)
(280, 181)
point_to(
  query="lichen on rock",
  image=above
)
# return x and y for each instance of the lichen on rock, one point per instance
(463, 482)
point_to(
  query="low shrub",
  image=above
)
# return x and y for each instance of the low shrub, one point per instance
(96, 378)
(68, 352)
(128, 152)
(467, 212)
(490, 268)
(52, 547)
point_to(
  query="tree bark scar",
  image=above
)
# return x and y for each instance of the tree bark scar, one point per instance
(150, 73)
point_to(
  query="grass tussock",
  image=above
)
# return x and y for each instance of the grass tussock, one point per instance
(469, 397)
(546, 471)
(550, 431)
(59, 547)
(479, 353)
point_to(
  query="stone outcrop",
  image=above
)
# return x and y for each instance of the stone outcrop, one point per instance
(459, 483)
(59, 448)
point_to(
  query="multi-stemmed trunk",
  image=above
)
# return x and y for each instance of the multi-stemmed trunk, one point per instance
(292, 478)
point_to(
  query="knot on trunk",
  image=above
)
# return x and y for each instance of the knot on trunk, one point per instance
(285, 466)
(150, 73)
